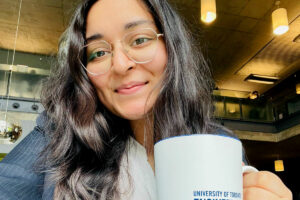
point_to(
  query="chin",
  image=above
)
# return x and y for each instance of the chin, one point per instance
(133, 115)
(134, 112)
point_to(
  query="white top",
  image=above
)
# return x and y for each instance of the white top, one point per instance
(136, 179)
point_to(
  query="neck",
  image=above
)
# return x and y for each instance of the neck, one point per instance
(139, 130)
(142, 131)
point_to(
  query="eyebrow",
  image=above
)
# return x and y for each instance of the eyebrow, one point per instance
(136, 23)
(93, 37)
(127, 26)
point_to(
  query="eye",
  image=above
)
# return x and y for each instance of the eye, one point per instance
(140, 41)
(98, 55)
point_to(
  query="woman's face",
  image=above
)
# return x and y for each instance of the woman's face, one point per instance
(128, 89)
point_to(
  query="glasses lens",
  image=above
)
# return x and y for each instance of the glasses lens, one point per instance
(141, 45)
(97, 56)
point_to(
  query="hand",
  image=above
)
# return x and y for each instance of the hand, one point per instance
(264, 185)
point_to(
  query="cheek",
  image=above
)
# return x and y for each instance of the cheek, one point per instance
(101, 86)
(97, 83)
(159, 63)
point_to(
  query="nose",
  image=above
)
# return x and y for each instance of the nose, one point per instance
(121, 63)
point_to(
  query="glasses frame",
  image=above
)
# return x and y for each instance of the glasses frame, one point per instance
(111, 48)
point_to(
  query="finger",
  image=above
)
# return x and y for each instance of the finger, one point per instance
(267, 181)
(253, 193)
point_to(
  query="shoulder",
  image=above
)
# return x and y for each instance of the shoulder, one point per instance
(18, 170)
(41, 122)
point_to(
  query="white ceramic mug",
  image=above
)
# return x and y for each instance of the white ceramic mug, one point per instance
(199, 167)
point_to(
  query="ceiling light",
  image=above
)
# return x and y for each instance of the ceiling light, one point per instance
(253, 95)
(280, 20)
(208, 10)
(298, 88)
(279, 167)
(261, 79)
(231, 108)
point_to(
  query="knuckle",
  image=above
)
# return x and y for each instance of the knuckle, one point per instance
(263, 177)
(249, 193)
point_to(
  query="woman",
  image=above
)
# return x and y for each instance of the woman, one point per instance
(127, 77)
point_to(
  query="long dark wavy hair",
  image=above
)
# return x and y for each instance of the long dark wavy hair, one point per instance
(86, 141)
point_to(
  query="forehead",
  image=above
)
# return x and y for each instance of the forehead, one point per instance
(111, 16)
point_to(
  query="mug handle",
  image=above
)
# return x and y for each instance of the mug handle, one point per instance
(248, 169)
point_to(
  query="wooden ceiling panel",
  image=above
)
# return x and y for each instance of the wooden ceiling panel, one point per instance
(263, 28)
(49, 3)
(281, 57)
(227, 21)
(29, 40)
(257, 8)
(43, 42)
(41, 17)
(262, 67)
(9, 12)
(232, 46)
(185, 3)
(242, 85)
(7, 35)
(247, 24)
(231, 6)
(214, 37)
(293, 7)
(69, 7)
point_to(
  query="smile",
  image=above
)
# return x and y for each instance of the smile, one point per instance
(131, 88)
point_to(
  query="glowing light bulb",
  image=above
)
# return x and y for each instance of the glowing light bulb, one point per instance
(280, 21)
(279, 167)
(208, 11)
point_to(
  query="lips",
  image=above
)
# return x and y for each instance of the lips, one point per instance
(130, 87)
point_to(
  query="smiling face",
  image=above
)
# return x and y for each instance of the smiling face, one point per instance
(128, 89)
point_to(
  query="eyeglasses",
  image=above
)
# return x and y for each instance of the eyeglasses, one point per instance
(139, 46)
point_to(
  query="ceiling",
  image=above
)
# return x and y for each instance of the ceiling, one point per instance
(241, 42)
(238, 43)
(40, 26)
